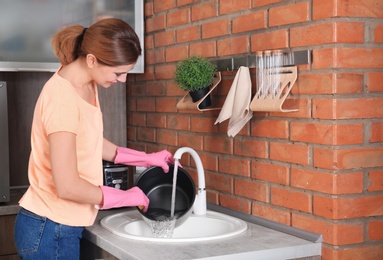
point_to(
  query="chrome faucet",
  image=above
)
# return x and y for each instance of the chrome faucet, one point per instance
(199, 207)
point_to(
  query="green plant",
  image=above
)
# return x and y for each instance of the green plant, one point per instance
(194, 73)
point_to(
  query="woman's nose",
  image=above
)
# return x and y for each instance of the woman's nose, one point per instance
(122, 77)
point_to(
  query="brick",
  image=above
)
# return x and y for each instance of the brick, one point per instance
(293, 153)
(190, 140)
(155, 23)
(340, 233)
(376, 134)
(250, 148)
(235, 203)
(232, 6)
(259, 3)
(270, 128)
(350, 108)
(325, 33)
(177, 53)
(219, 182)
(212, 197)
(155, 120)
(232, 46)
(249, 22)
(146, 135)
(149, 42)
(135, 145)
(137, 119)
(347, 8)
(367, 252)
(209, 161)
(155, 89)
(251, 190)
(154, 56)
(166, 137)
(234, 166)
(329, 183)
(215, 29)
(329, 83)
(148, 9)
(131, 134)
(178, 17)
(291, 199)
(351, 158)
(185, 2)
(269, 40)
(375, 181)
(161, 6)
(178, 122)
(348, 58)
(269, 172)
(378, 33)
(188, 34)
(204, 49)
(269, 212)
(218, 144)
(146, 105)
(165, 71)
(360, 58)
(334, 134)
(356, 8)
(172, 89)
(203, 125)
(348, 207)
(204, 11)
(164, 38)
(166, 105)
(289, 14)
(375, 81)
(375, 230)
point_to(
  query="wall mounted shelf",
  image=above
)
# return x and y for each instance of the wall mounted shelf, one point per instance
(289, 59)
(187, 103)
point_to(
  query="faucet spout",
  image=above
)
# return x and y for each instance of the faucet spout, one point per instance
(199, 207)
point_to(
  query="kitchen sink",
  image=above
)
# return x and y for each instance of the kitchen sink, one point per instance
(213, 225)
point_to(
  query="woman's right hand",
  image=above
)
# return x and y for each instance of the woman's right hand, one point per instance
(115, 198)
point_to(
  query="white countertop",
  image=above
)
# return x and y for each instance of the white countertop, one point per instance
(258, 242)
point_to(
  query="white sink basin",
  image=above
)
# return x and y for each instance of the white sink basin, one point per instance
(211, 226)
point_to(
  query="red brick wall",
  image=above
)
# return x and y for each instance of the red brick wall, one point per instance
(319, 169)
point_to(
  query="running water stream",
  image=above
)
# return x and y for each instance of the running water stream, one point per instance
(175, 171)
(163, 225)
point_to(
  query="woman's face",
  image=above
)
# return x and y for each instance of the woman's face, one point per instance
(106, 76)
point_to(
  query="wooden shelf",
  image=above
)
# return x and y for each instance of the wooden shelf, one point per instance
(187, 103)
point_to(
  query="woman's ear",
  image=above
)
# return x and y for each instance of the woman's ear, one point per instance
(91, 61)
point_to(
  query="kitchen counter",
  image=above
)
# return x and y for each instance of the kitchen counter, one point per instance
(12, 207)
(262, 240)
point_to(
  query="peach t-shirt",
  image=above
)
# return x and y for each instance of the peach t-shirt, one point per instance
(60, 108)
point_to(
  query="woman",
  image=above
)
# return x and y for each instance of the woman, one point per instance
(65, 166)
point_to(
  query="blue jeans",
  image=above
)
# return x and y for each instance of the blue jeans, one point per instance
(38, 237)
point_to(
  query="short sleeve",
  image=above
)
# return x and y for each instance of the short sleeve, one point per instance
(59, 111)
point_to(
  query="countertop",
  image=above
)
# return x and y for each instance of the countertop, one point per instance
(263, 239)
(12, 207)
(258, 242)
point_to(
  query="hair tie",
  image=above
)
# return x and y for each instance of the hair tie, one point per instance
(83, 31)
(81, 36)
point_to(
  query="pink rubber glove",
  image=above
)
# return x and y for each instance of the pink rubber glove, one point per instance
(136, 158)
(115, 198)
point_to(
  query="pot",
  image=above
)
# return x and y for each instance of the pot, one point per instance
(197, 95)
(158, 186)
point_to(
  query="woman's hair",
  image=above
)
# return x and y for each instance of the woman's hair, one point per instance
(112, 41)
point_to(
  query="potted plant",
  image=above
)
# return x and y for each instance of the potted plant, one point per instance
(195, 75)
